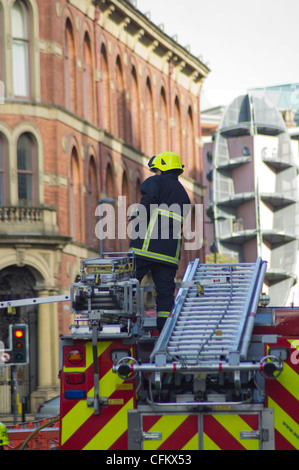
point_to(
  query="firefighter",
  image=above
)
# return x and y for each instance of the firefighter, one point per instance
(3, 436)
(164, 204)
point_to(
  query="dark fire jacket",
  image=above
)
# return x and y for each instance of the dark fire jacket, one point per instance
(159, 220)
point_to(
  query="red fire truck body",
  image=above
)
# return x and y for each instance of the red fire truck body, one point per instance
(121, 390)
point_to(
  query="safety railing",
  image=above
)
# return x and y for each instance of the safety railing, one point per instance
(34, 435)
(18, 219)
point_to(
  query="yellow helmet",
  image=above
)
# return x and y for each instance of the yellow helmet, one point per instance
(166, 161)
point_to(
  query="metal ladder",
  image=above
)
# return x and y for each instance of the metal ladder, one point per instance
(213, 315)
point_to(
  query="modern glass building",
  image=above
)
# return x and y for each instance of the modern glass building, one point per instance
(254, 197)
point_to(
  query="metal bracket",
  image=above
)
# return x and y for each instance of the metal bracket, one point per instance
(140, 436)
(204, 282)
(158, 382)
(95, 315)
(96, 377)
(102, 401)
(234, 358)
(152, 436)
(237, 380)
(262, 435)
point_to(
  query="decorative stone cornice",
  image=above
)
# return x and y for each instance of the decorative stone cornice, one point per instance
(115, 14)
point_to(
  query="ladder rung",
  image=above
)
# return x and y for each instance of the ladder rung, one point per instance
(210, 324)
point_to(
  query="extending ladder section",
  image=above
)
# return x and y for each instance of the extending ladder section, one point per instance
(213, 316)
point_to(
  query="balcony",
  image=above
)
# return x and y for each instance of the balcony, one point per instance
(277, 201)
(233, 163)
(236, 199)
(238, 238)
(29, 221)
(277, 164)
(277, 237)
(274, 276)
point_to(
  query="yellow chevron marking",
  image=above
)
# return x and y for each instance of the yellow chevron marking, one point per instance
(75, 418)
(102, 346)
(107, 384)
(294, 342)
(285, 424)
(208, 444)
(80, 413)
(167, 425)
(290, 380)
(234, 424)
(112, 431)
(192, 444)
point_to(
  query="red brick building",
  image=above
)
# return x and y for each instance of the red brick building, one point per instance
(91, 90)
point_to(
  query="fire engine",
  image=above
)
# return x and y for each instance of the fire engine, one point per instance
(222, 374)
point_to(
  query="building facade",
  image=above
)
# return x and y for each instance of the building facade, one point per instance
(252, 197)
(89, 91)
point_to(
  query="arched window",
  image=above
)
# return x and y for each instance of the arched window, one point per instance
(137, 190)
(163, 122)
(178, 127)
(135, 114)
(26, 170)
(125, 188)
(109, 182)
(125, 191)
(190, 143)
(92, 202)
(70, 68)
(120, 100)
(3, 195)
(105, 95)
(149, 119)
(20, 49)
(110, 243)
(75, 198)
(21, 282)
(88, 86)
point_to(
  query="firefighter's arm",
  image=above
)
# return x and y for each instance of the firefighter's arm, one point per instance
(149, 196)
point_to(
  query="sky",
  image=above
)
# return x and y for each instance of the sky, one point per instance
(245, 43)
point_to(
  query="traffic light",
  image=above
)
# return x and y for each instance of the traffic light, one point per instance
(19, 351)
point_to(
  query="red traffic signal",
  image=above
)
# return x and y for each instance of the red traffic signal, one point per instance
(18, 333)
(19, 345)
